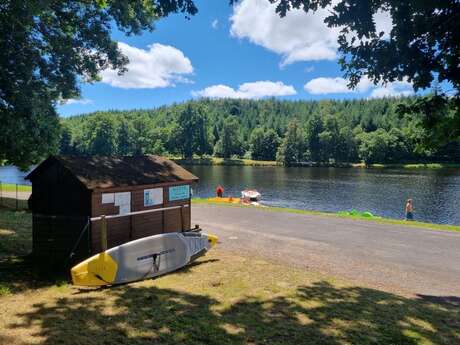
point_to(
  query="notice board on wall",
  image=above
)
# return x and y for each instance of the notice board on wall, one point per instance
(123, 200)
(153, 196)
(108, 198)
(179, 192)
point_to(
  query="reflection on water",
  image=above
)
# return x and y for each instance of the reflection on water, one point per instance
(436, 193)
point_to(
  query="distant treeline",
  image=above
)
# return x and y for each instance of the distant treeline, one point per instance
(371, 131)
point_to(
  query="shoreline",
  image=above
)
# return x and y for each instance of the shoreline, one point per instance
(8, 197)
(214, 161)
(412, 224)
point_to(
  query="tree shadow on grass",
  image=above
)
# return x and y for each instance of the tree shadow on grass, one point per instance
(20, 273)
(187, 268)
(316, 314)
(6, 339)
(452, 300)
(15, 232)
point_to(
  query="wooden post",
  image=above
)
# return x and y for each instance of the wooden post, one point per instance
(17, 201)
(163, 221)
(103, 234)
(182, 218)
(130, 228)
(88, 237)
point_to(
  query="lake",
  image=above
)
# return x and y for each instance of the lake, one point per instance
(383, 192)
(11, 174)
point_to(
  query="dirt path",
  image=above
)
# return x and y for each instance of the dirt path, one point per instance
(12, 195)
(389, 257)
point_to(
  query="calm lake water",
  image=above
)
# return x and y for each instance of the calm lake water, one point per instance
(436, 193)
(11, 174)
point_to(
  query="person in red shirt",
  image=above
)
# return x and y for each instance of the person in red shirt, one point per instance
(219, 191)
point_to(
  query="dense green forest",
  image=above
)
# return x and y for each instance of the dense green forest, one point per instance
(370, 131)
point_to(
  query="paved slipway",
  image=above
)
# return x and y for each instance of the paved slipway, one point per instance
(394, 258)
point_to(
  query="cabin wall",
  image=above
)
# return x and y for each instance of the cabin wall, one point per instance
(54, 239)
(179, 219)
(57, 192)
(125, 229)
(60, 206)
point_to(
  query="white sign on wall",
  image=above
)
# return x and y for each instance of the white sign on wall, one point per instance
(123, 201)
(153, 197)
(108, 198)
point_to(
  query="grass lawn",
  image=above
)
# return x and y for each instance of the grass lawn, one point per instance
(410, 166)
(15, 233)
(223, 298)
(10, 187)
(12, 203)
(411, 224)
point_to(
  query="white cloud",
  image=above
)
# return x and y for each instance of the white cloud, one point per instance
(309, 69)
(323, 86)
(158, 66)
(215, 23)
(297, 37)
(254, 90)
(82, 101)
(395, 89)
(319, 86)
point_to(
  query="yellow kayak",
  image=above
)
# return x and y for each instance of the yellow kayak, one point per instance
(229, 200)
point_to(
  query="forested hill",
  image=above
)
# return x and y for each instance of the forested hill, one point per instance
(289, 131)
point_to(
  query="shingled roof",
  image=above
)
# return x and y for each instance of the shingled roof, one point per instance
(97, 172)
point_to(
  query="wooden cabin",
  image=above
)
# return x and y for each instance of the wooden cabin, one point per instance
(67, 191)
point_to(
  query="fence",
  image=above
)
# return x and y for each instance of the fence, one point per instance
(13, 195)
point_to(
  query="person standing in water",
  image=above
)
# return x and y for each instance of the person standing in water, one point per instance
(409, 210)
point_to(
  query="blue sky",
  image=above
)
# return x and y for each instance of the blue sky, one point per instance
(245, 51)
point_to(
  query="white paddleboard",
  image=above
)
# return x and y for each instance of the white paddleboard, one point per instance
(143, 258)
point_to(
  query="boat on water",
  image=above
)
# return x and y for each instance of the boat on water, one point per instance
(251, 196)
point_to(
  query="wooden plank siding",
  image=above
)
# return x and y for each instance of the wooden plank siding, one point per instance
(176, 220)
(61, 208)
(125, 229)
(57, 192)
(55, 237)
